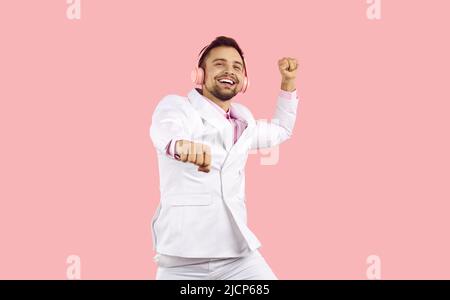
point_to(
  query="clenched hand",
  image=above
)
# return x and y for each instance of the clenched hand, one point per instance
(288, 69)
(196, 153)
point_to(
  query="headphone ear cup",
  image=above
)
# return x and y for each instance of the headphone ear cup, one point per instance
(197, 76)
(245, 85)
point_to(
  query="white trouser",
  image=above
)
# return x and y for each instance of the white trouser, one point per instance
(250, 267)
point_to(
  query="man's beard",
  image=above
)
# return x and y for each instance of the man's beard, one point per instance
(223, 94)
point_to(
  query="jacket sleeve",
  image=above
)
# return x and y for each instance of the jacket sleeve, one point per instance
(169, 124)
(270, 133)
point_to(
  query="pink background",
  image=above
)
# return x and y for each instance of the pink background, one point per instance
(366, 172)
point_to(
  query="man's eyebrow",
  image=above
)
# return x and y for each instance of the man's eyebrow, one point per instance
(223, 59)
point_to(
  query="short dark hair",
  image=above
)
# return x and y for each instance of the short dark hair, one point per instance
(220, 41)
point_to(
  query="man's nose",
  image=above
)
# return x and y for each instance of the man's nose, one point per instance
(229, 71)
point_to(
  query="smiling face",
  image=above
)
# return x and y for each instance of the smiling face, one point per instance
(224, 73)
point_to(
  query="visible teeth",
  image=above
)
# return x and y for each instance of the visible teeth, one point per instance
(227, 81)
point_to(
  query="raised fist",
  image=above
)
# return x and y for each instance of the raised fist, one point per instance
(288, 68)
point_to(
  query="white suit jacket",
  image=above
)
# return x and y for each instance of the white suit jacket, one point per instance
(204, 214)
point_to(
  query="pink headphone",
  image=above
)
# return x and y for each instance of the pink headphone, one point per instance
(198, 76)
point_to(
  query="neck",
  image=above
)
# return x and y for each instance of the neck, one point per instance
(225, 105)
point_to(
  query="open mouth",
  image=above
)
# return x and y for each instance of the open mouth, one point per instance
(226, 83)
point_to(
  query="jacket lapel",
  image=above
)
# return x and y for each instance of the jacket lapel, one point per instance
(213, 117)
(243, 141)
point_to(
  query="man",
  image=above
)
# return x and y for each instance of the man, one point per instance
(202, 142)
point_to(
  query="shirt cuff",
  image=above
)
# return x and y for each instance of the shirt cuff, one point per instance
(171, 149)
(288, 95)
